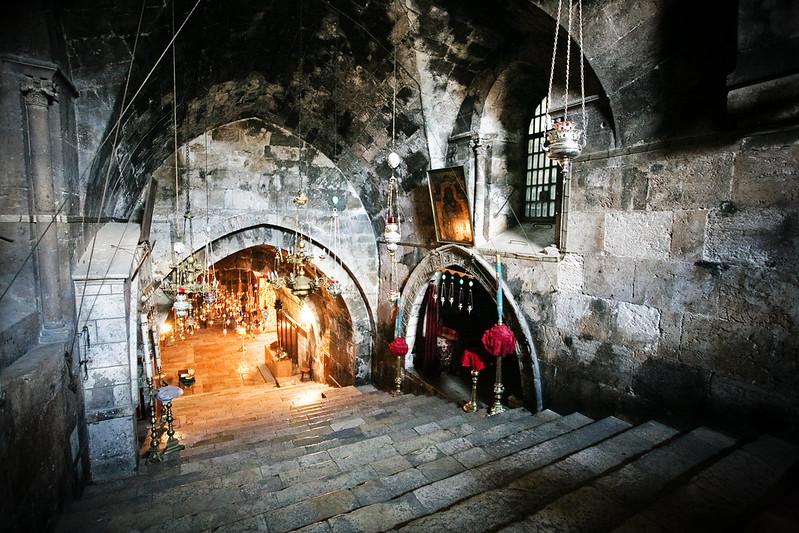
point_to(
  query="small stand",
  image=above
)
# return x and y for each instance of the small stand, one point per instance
(471, 406)
(166, 395)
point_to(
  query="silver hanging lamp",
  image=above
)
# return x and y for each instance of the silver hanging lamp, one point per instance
(564, 139)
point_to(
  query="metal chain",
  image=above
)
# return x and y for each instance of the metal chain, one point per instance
(175, 118)
(187, 173)
(568, 63)
(582, 73)
(394, 102)
(552, 66)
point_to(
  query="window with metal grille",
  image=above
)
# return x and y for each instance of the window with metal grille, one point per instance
(543, 174)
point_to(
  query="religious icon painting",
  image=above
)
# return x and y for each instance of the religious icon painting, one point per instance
(451, 214)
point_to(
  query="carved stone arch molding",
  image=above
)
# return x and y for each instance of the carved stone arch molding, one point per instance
(354, 292)
(454, 255)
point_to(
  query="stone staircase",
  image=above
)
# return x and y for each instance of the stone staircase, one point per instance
(355, 459)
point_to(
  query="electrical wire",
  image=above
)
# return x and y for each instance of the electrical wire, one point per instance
(108, 173)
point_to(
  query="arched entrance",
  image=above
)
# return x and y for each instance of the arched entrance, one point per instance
(349, 350)
(452, 255)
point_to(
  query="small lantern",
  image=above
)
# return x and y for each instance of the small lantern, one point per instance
(181, 305)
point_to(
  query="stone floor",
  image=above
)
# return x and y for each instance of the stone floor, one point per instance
(219, 361)
(319, 459)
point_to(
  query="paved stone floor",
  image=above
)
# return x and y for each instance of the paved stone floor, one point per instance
(219, 361)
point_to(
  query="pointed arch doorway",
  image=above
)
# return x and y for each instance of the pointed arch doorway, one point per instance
(416, 307)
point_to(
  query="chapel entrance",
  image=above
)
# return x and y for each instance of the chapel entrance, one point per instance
(256, 331)
(455, 312)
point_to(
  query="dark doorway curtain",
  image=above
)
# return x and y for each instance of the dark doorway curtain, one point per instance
(430, 361)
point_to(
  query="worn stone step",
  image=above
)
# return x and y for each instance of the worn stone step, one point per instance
(300, 483)
(714, 498)
(498, 507)
(398, 478)
(281, 426)
(222, 462)
(295, 436)
(234, 412)
(232, 465)
(615, 496)
(557, 438)
(284, 426)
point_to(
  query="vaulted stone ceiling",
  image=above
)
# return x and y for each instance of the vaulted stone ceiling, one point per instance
(239, 59)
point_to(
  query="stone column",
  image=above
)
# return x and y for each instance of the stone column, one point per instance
(478, 174)
(481, 149)
(39, 94)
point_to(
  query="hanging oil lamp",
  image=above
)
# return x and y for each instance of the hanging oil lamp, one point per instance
(564, 140)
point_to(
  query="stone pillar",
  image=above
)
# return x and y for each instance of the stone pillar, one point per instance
(109, 369)
(479, 173)
(39, 94)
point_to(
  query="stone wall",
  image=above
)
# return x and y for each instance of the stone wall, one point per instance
(42, 437)
(248, 177)
(40, 441)
(677, 289)
(108, 307)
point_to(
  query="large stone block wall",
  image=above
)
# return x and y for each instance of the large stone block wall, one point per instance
(248, 176)
(676, 293)
(110, 381)
(107, 308)
(40, 442)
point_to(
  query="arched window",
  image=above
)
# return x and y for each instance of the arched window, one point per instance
(542, 186)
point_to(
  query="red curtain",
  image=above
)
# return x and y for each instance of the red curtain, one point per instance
(430, 361)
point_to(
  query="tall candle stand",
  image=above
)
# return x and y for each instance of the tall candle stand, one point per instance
(398, 378)
(471, 406)
(497, 407)
(154, 454)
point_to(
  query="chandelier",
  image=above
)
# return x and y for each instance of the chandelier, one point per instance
(564, 140)
(298, 258)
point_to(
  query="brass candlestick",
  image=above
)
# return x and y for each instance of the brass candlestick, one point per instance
(471, 406)
(172, 443)
(154, 454)
(497, 407)
(398, 378)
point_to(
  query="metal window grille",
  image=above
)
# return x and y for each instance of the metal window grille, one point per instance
(543, 174)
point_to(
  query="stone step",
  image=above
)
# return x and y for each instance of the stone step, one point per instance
(224, 461)
(614, 496)
(715, 497)
(554, 440)
(235, 411)
(353, 487)
(312, 475)
(199, 425)
(283, 422)
(498, 507)
(309, 433)
(247, 462)
(252, 398)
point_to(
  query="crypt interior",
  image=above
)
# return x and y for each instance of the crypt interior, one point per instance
(412, 265)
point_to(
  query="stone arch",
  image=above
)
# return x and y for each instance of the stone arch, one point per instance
(245, 174)
(353, 294)
(454, 255)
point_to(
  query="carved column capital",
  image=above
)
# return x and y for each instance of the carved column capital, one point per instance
(38, 91)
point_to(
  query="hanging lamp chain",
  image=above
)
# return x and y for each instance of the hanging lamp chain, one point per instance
(175, 117)
(568, 63)
(582, 73)
(552, 65)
